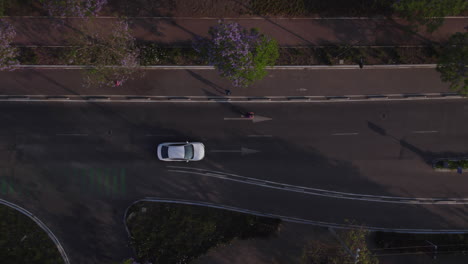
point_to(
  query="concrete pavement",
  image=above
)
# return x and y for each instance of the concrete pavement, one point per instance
(79, 166)
(180, 82)
(178, 31)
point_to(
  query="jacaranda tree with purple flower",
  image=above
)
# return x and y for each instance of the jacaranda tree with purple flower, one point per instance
(113, 56)
(238, 54)
(8, 53)
(75, 8)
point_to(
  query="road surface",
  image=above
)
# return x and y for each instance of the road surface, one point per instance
(77, 166)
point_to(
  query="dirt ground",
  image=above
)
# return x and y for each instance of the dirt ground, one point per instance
(287, 247)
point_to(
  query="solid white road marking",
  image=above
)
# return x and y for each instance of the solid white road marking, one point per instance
(260, 136)
(255, 119)
(242, 150)
(319, 192)
(345, 134)
(425, 132)
(84, 135)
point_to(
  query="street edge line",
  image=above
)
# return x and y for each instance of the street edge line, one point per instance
(293, 219)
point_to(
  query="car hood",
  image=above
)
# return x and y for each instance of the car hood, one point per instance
(198, 151)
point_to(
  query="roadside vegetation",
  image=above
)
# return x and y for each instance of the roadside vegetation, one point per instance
(356, 250)
(453, 63)
(429, 13)
(240, 55)
(22, 241)
(451, 164)
(76, 8)
(113, 55)
(154, 54)
(173, 233)
(8, 53)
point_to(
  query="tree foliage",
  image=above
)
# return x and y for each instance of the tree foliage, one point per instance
(238, 54)
(320, 253)
(112, 55)
(76, 8)
(172, 233)
(23, 241)
(430, 13)
(8, 53)
(453, 62)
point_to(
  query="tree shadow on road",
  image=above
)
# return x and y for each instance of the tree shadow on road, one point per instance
(427, 156)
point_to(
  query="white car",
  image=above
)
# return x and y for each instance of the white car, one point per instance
(181, 151)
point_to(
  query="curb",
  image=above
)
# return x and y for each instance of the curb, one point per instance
(279, 67)
(298, 220)
(236, 18)
(228, 99)
(41, 225)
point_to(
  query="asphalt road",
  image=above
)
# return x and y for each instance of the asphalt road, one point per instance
(77, 166)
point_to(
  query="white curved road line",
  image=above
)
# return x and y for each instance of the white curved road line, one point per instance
(42, 225)
(321, 192)
(295, 219)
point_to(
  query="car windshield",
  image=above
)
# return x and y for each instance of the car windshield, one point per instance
(164, 152)
(188, 151)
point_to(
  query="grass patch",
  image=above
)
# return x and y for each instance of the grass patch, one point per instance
(172, 233)
(22, 241)
(43, 56)
(332, 55)
(154, 54)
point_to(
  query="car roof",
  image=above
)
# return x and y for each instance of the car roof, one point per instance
(176, 152)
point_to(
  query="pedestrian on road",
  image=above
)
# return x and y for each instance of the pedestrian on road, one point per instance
(361, 63)
(118, 83)
(228, 92)
(249, 115)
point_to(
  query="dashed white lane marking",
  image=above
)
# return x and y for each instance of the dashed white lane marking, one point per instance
(425, 131)
(345, 134)
(258, 136)
(72, 134)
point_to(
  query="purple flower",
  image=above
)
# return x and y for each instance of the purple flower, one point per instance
(7, 52)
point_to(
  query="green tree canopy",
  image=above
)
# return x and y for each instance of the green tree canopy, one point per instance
(453, 62)
(430, 13)
(238, 54)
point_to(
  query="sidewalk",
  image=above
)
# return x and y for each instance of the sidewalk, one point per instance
(208, 83)
(288, 32)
